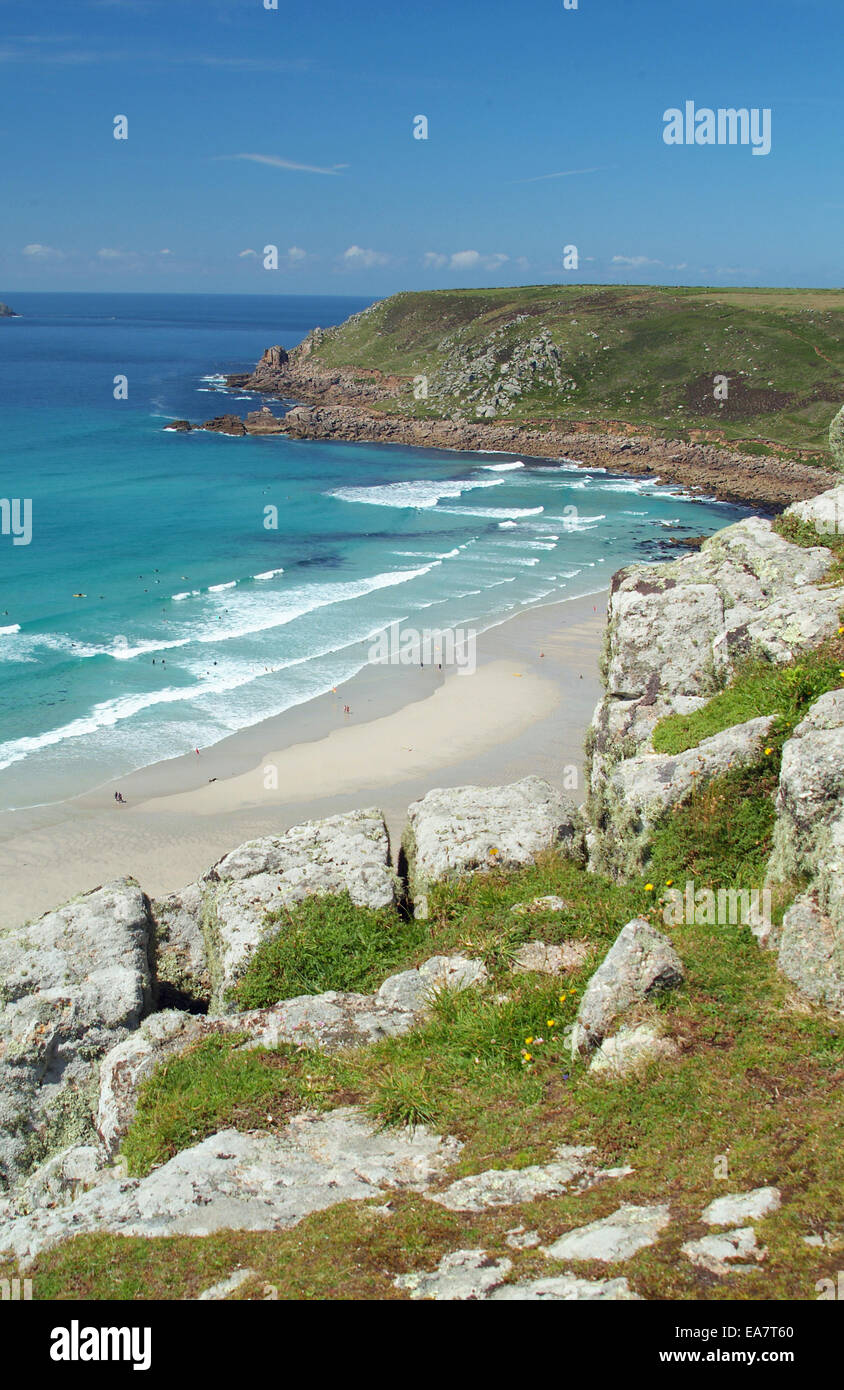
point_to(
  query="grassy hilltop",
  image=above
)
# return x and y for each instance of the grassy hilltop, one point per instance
(642, 355)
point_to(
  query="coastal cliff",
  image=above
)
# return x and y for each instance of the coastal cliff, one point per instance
(729, 393)
(322, 1042)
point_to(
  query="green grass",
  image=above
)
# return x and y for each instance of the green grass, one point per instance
(327, 943)
(780, 350)
(216, 1085)
(758, 688)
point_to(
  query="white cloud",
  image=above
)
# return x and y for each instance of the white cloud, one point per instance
(43, 253)
(108, 253)
(469, 260)
(165, 252)
(434, 259)
(363, 256)
(247, 252)
(277, 162)
(634, 260)
(296, 254)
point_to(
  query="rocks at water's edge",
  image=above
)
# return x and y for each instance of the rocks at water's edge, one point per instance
(7, 313)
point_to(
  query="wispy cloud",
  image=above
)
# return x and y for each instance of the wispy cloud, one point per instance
(357, 256)
(563, 174)
(41, 252)
(634, 260)
(277, 162)
(463, 260)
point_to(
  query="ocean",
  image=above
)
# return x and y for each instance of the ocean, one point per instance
(154, 611)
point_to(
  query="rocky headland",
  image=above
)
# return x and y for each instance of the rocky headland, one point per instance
(7, 313)
(366, 406)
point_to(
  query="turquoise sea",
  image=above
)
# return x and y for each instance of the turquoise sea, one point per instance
(195, 619)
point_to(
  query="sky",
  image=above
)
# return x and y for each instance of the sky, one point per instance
(251, 127)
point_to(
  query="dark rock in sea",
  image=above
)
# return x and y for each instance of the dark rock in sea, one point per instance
(182, 425)
(225, 424)
(7, 313)
(263, 422)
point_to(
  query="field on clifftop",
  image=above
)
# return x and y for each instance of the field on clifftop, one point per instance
(644, 356)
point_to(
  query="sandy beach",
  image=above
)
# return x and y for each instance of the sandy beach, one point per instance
(524, 710)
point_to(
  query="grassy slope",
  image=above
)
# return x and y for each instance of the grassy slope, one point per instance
(664, 346)
(758, 1080)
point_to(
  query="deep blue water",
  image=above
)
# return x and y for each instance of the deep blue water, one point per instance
(163, 534)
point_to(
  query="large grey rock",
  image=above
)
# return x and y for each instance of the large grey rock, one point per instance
(811, 788)
(458, 830)
(572, 1168)
(613, 1238)
(742, 1206)
(641, 790)
(228, 906)
(811, 951)
(411, 990)
(726, 1253)
(72, 984)
(246, 1182)
(640, 964)
(327, 1022)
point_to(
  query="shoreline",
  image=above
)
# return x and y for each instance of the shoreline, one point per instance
(345, 405)
(409, 730)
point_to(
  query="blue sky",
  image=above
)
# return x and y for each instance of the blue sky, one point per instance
(545, 130)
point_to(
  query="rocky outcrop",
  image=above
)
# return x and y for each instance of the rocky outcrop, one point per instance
(487, 377)
(461, 830)
(225, 424)
(7, 313)
(245, 1182)
(810, 795)
(674, 633)
(808, 843)
(327, 1022)
(208, 932)
(72, 984)
(640, 964)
